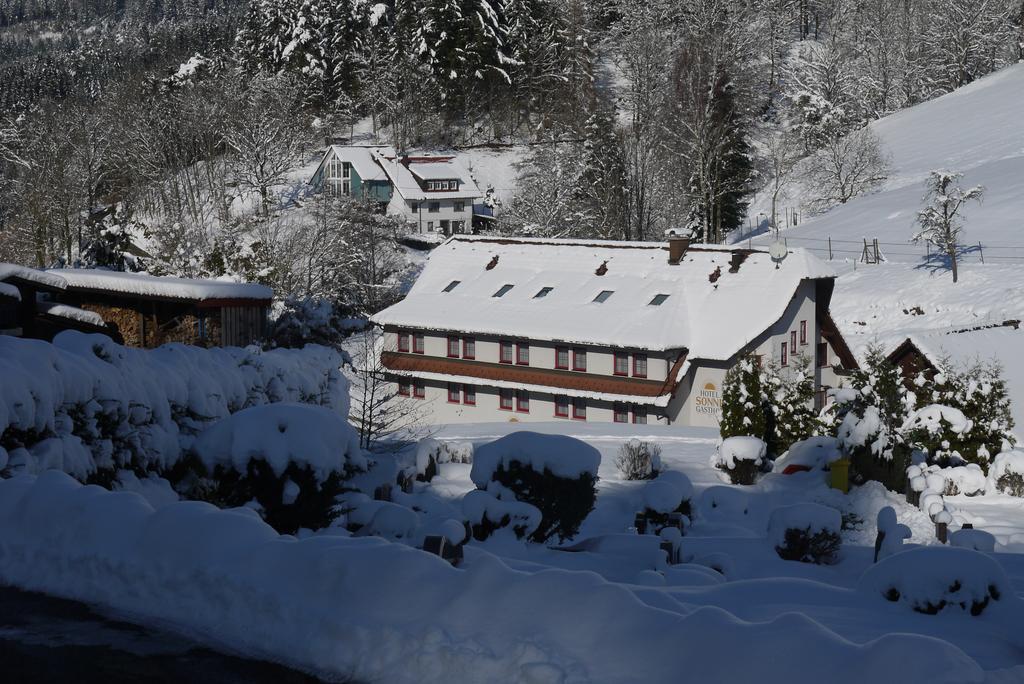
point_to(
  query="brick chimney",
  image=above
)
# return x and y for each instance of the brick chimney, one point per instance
(678, 243)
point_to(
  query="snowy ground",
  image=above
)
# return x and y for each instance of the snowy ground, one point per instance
(761, 586)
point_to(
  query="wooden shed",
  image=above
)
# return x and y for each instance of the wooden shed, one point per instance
(148, 311)
(28, 306)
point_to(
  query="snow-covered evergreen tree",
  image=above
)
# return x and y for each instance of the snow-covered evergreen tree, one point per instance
(743, 401)
(791, 414)
(941, 220)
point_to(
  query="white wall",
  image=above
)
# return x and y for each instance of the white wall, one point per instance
(422, 216)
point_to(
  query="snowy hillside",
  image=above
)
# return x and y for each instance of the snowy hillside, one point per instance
(977, 130)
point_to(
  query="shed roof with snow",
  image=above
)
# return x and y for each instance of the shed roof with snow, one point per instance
(143, 285)
(621, 294)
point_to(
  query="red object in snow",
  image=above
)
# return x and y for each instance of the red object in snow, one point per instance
(796, 468)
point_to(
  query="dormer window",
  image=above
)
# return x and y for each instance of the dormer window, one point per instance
(503, 290)
(603, 296)
(451, 286)
(658, 300)
(543, 292)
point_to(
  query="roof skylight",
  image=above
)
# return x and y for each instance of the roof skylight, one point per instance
(658, 300)
(502, 290)
(603, 296)
(543, 292)
(451, 286)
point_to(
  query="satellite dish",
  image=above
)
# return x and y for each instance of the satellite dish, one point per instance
(778, 252)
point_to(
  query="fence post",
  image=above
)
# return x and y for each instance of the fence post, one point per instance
(981, 252)
(830, 248)
(878, 254)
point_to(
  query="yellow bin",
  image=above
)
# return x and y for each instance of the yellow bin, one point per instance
(841, 475)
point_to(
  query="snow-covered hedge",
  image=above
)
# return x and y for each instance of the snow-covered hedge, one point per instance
(1006, 474)
(496, 508)
(671, 492)
(741, 458)
(968, 480)
(365, 609)
(932, 579)
(89, 406)
(554, 473)
(806, 532)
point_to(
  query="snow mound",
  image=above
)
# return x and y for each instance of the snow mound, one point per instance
(563, 456)
(442, 452)
(282, 434)
(932, 579)
(734, 449)
(678, 480)
(814, 453)
(481, 505)
(366, 609)
(978, 540)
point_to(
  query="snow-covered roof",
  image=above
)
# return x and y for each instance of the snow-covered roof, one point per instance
(145, 285)
(71, 312)
(403, 178)
(364, 160)
(714, 320)
(45, 278)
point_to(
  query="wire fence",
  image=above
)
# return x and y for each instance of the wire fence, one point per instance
(873, 250)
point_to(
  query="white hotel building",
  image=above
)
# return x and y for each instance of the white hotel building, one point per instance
(538, 330)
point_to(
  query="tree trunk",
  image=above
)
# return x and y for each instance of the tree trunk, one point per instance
(952, 258)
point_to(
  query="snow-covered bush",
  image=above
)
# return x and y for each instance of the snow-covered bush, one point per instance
(431, 453)
(968, 480)
(290, 459)
(669, 493)
(554, 473)
(891, 533)
(495, 508)
(316, 320)
(806, 532)
(638, 460)
(1006, 474)
(931, 579)
(962, 415)
(743, 401)
(741, 458)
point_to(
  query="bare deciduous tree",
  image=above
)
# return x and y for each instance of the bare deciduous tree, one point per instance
(847, 166)
(941, 221)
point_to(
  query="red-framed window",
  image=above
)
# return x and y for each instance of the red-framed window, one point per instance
(620, 413)
(454, 393)
(404, 387)
(453, 347)
(621, 363)
(639, 365)
(403, 341)
(505, 353)
(579, 409)
(561, 407)
(803, 332)
(823, 355)
(640, 415)
(522, 401)
(469, 348)
(522, 354)
(562, 358)
(418, 344)
(469, 395)
(785, 354)
(792, 341)
(579, 359)
(419, 389)
(505, 399)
